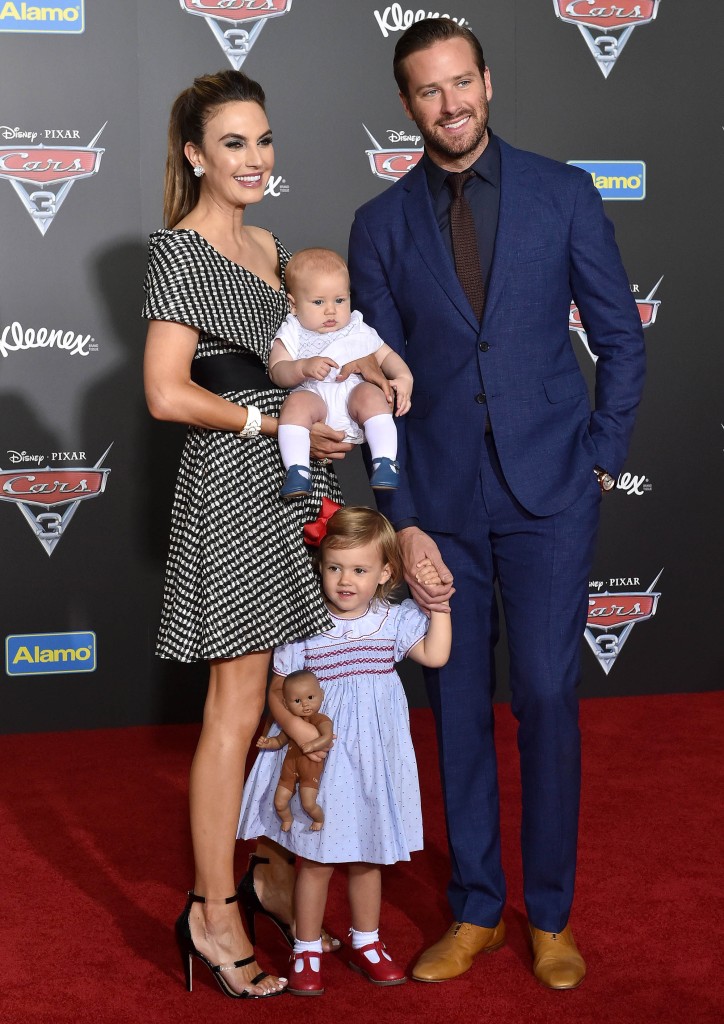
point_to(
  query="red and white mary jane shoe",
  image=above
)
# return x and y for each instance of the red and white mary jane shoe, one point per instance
(307, 981)
(380, 970)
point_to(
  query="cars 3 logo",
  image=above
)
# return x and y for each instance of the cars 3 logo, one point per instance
(606, 27)
(49, 498)
(648, 309)
(611, 617)
(42, 176)
(388, 163)
(236, 23)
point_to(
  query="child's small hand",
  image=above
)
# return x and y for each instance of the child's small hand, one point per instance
(403, 390)
(318, 367)
(426, 573)
(263, 742)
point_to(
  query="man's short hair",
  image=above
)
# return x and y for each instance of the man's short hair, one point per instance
(421, 35)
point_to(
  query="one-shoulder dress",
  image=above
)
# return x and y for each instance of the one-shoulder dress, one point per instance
(238, 577)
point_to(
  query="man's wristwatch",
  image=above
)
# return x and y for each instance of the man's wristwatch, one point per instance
(253, 422)
(605, 481)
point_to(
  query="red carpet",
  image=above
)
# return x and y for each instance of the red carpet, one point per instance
(96, 859)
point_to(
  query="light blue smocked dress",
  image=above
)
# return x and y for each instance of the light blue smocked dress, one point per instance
(369, 789)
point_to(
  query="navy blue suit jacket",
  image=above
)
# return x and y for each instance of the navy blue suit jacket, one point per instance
(553, 244)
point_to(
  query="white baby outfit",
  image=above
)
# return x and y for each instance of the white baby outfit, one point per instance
(353, 341)
(369, 789)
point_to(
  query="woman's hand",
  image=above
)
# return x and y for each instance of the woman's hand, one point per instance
(327, 443)
(368, 367)
(402, 387)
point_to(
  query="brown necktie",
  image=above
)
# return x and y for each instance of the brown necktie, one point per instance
(465, 243)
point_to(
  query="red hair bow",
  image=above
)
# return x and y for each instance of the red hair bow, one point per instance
(314, 533)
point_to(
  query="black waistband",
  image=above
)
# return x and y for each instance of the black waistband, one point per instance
(230, 372)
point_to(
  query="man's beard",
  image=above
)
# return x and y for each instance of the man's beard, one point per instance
(455, 149)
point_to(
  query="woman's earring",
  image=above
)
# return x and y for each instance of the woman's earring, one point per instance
(199, 171)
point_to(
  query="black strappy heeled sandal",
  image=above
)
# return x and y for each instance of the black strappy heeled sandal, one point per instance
(251, 904)
(188, 951)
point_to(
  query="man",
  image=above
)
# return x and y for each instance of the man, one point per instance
(502, 464)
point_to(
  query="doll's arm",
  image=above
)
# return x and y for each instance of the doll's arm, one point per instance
(324, 740)
(273, 742)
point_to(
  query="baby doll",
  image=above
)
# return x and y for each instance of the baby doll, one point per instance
(302, 697)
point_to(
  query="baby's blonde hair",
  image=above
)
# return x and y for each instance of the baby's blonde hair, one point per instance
(356, 526)
(313, 261)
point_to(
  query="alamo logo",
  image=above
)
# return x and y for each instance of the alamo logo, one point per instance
(236, 23)
(616, 179)
(64, 17)
(606, 28)
(34, 654)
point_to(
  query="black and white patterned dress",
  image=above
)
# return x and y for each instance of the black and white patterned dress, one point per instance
(238, 577)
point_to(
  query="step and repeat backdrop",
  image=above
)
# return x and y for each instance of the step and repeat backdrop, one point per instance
(629, 91)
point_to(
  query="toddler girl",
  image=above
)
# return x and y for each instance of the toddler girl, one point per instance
(369, 789)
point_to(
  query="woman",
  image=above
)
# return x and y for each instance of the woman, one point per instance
(238, 579)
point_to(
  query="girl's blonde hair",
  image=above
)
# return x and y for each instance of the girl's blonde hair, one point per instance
(189, 114)
(356, 526)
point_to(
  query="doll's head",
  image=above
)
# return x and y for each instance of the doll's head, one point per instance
(359, 560)
(302, 694)
(318, 290)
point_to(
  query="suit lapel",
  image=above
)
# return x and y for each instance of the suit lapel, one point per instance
(420, 217)
(515, 216)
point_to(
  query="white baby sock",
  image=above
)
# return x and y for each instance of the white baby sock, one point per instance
(315, 962)
(293, 445)
(381, 436)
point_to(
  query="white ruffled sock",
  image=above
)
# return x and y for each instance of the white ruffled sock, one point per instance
(315, 962)
(360, 939)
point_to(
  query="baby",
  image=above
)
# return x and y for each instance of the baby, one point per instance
(321, 334)
(303, 698)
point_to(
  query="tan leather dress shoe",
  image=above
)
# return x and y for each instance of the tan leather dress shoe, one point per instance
(556, 960)
(456, 950)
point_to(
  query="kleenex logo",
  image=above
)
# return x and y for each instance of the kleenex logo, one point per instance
(616, 179)
(62, 16)
(33, 654)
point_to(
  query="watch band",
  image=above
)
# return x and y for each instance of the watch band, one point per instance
(253, 422)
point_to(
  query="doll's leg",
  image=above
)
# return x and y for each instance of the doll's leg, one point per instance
(300, 411)
(282, 799)
(308, 796)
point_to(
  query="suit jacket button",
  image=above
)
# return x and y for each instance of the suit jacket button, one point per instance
(483, 346)
(480, 399)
